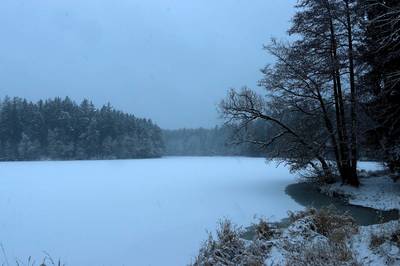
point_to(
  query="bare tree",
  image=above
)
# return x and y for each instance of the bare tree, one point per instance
(309, 90)
(291, 136)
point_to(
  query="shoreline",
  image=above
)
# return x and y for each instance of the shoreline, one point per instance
(358, 231)
(311, 195)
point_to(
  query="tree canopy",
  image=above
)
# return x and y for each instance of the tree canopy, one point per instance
(62, 129)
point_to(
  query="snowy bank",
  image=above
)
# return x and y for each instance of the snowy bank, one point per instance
(378, 192)
(321, 237)
(301, 244)
(377, 244)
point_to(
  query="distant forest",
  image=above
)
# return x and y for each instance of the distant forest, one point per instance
(219, 141)
(62, 129)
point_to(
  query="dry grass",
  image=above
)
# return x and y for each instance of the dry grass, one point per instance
(229, 249)
(263, 230)
(46, 261)
(376, 241)
(328, 222)
(395, 237)
(336, 227)
(331, 249)
(294, 216)
(318, 255)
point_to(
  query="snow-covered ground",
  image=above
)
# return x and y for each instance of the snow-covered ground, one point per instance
(317, 237)
(386, 252)
(378, 192)
(300, 240)
(375, 192)
(132, 212)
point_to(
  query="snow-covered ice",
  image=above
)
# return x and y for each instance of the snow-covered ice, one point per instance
(132, 212)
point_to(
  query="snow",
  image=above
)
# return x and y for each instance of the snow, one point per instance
(369, 166)
(298, 234)
(301, 236)
(384, 254)
(379, 192)
(132, 212)
(375, 192)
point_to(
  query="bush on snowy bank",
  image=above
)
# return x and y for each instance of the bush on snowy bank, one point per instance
(314, 237)
(230, 249)
(319, 238)
(327, 254)
(328, 222)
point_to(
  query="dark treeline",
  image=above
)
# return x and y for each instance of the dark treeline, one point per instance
(62, 129)
(218, 141)
(381, 52)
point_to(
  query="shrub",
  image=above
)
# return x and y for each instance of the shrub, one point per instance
(294, 216)
(317, 255)
(229, 249)
(334, 225)
(395, 237)
(329, 246)
(263, 230)
(376, 241)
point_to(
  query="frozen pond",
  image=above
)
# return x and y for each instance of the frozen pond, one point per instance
(132, 212)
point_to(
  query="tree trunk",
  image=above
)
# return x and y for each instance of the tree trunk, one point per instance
(327, 170)
(329, 127)
(344, 165)
(354, 155)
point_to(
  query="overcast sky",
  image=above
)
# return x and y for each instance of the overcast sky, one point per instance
(168, 60)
